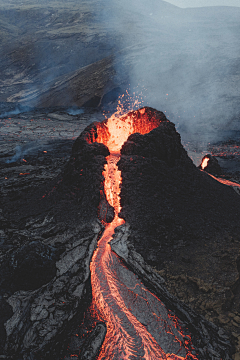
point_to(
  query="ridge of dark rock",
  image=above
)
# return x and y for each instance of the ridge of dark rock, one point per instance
(183, 223)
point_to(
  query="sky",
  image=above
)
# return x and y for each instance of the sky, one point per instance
(199, 3)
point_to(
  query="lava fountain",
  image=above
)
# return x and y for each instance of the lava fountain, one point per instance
(138, 324)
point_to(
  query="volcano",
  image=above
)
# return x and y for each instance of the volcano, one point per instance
(174, 232)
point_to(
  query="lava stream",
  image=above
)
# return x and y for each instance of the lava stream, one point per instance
(133, 315)
(225, 181)
(138, 324)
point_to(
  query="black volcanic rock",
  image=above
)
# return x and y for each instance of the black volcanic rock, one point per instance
(93, 342)
(105, 210)
(183, 222)
(29, 268)
(82, 174)
(48, 240)
(162, 143)
(157, 172)
(207, 338)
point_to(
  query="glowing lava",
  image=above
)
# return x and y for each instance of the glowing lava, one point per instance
(226, 182)
(138, 324)
(114, 131)
(205, 163)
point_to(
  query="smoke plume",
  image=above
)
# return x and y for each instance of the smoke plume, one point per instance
(184, 61)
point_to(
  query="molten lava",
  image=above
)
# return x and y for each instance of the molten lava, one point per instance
(114, 131)
(138, 324)
(205, 163)
(225, 181)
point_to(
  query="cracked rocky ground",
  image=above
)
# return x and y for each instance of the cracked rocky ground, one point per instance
(30, 257)
(46, 247)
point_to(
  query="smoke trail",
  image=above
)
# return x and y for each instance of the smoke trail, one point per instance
(18, 109)
(21, 151)
(17, 155)
(75, 111)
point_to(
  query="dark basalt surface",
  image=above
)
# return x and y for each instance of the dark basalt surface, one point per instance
(208, 340)
(49, 231)
(93, 342)
(184, 224)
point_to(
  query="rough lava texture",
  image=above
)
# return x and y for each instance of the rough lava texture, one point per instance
(209, 341)
(93, 342)
(49, 228)
(49, 239)
(183, 223)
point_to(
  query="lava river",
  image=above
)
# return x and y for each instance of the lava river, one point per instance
(138, 324)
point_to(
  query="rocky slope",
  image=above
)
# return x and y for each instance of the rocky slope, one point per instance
(49, 230)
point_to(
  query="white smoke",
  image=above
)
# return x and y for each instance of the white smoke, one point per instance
(185, 61)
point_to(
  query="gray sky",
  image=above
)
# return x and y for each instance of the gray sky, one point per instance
(199, 3)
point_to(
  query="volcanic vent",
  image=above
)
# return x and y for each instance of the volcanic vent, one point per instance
(116, 290)
(167, 204)
(139, 325)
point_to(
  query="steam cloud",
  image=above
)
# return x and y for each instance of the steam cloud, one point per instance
(183, 60)
(15, 110)
(21, 151)
(75, 111)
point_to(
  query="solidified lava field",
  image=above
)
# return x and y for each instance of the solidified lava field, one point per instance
(50, 234)
(117, 239)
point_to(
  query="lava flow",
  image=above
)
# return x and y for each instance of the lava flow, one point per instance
(138, 324)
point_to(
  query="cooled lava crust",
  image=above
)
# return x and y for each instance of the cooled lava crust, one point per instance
(42, 227)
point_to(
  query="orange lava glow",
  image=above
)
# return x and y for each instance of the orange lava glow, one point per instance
(205, 163)
(225, 181)
(137, 321)
(114, 131)
(112, 181)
